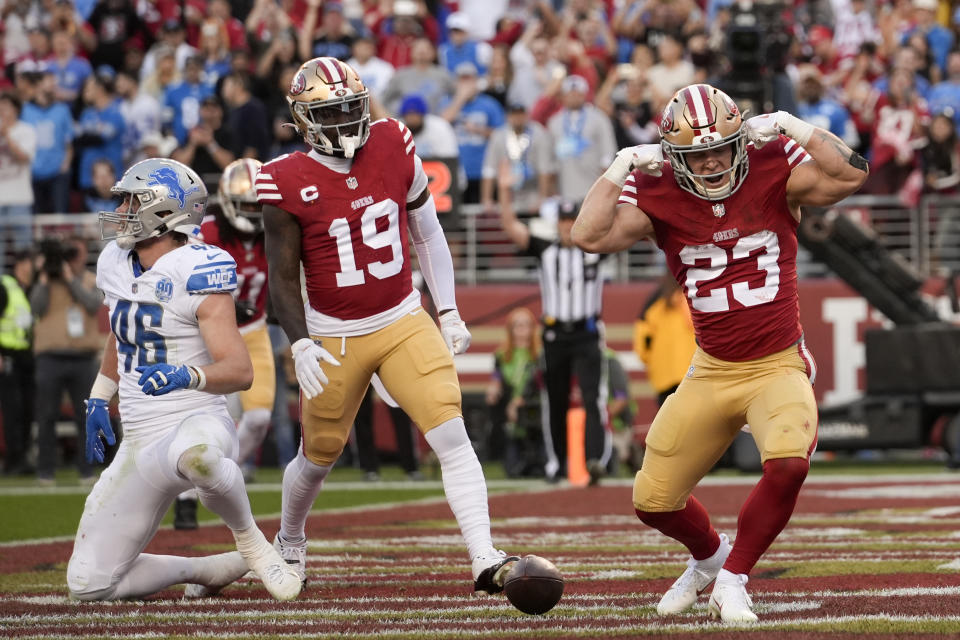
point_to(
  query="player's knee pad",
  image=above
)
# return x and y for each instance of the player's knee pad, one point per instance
(87, 582)
(324, 448)
(450, 441)
(652, 496)
(786, 473)
(200, 465)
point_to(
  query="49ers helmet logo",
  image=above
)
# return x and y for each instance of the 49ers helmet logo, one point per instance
(666, 120)
(298, 84)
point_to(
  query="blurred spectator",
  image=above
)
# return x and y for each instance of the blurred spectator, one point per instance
(52, 163)
(281, 53)
(99, 197)
(854, 24)
(154, 145)
(421, 77)
(533, 67)
(71, 70)
(938, 37)
(16, 363)
(820, 39)
(4, 80)
(374, 72)
(940, 162)
(18, 143)
(286, 139)
(672, 72)
(821, 111)
(482, 17)
(215, 50)
(623, 97)
(528, 149)
(182, 101)
(663, 337)
(247, 118)
(100, 129)
(583, 138)
(398, 33)
(366, 447)
(39, 39)
(236, 33)
(114, 24)
(513, 398)
(620, 407)
(14, 17)
(474, 116)
(67, 341)
(946, 94)
(499, 75)
(461, 47)
(209, 147)
(265, 23)
(433, 136)
(926, 65)
(596, 38)
(333, 39)
(173, 35)
(164, 76)
(140, 110)
(908, 59)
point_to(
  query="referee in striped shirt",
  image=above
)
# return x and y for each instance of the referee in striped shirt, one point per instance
(571, 288)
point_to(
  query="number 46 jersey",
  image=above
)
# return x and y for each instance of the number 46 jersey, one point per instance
(353, 222)
(153, 315)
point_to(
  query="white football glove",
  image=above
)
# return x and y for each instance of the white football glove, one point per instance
(648, 158)
(307, 355)
(766, 128)
(454, 332)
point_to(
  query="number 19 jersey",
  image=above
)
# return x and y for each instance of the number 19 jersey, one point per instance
(153, 316)
(736, 259)
(353, 225)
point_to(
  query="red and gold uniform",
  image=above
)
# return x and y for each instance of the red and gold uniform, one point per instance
(361, 301)
(735, 259)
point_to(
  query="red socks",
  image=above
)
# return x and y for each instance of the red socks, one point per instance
(766, 511)
(690, 526)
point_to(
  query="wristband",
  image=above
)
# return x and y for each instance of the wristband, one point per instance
(797, 129)
(104, 387)
(619, 170)
(198, 379)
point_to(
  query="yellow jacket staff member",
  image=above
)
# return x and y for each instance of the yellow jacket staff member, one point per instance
(663, 338)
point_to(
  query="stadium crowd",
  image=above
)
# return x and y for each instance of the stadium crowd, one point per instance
(554, 88)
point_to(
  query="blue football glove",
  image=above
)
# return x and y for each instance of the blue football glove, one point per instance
(98, 421)
(162, 378)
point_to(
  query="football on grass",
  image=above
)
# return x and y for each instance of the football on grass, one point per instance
(533, 585)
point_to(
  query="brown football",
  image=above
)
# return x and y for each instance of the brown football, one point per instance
(533, 585)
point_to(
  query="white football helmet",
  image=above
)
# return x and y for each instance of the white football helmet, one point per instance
(238, 198)
(697, 118)
(330, 106)
(165, 195)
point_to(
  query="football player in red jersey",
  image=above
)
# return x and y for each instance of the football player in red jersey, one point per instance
(345, 209)
(725, 208)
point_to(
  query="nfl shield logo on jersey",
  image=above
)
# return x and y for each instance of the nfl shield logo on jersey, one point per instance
(164, 290)
(718, 210)
(352, 182)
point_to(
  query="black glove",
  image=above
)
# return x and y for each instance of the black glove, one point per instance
(245, 311)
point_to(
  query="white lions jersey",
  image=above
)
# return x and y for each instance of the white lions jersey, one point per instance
(153, 315)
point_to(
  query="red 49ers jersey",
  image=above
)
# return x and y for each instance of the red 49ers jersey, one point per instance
(735, 258)
(353, 225)
(251, 259)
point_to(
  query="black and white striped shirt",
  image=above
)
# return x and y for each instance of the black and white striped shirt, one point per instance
(571, 283)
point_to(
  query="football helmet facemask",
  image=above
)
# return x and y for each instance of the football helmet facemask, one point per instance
(700, 117)
(161, 195)
(238, 198)
(330, 106)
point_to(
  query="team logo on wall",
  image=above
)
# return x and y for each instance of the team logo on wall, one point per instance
(164, 289)
(298, 84)
(352, 182)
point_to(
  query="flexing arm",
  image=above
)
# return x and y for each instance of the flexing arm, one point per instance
(603, 226)
(231, 369)
(282, 235)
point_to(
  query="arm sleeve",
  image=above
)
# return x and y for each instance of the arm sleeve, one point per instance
(420, 181)
(433, 253)
(39, 299)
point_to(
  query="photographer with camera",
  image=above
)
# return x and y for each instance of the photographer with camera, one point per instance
(67, 339)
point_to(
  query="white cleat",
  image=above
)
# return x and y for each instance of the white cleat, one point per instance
(699, 574)
(730, 601)
(221, 570)
(490, 571)
(294, 554)
(279, 578)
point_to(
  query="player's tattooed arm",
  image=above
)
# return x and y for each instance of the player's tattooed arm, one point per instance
(837, 172)
(282, 236)
(829, 141)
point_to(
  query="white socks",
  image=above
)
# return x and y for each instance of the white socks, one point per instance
(463, 483)
(302, 481)
(219, 484)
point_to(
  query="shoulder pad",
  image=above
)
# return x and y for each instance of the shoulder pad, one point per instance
(209, 270)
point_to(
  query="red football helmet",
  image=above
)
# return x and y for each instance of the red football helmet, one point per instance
(697, 118)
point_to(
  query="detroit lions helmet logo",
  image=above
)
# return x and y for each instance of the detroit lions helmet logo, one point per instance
(167, 177)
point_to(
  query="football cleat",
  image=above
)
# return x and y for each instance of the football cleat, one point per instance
(730, 601)
(694, 581)
(280, 579)
(294, 554)
(490, 571)
(224, 569)
(185, 514)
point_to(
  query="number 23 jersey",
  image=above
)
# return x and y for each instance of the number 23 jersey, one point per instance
(736, 258)
(353, 225)
(153, 316)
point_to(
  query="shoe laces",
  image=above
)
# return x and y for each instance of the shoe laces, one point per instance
(275, 573)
